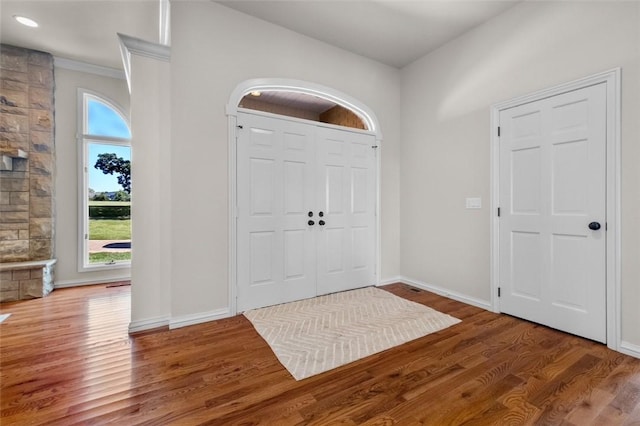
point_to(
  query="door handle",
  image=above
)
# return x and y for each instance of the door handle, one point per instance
(594, 226)
(311, 223)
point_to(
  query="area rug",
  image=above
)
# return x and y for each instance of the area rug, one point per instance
(316, 335)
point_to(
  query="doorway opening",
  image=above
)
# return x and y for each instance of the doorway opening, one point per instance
(302, 103)
(508, 145)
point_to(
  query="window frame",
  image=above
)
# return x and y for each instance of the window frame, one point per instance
(84, 140)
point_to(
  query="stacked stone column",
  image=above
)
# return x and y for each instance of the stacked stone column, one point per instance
(27, 124)
(26, 190)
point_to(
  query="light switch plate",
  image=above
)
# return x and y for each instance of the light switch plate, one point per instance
(473, 203)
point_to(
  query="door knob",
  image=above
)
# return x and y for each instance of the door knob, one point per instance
(594, 226)
(321, 223)
(311, 223)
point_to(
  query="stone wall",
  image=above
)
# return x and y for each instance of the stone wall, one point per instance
(26, 126)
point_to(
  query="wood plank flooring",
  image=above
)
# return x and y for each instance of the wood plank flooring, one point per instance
(67, 359)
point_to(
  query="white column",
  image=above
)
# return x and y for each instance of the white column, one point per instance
(147, 68)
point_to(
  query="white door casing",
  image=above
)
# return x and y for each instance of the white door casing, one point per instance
(552, 186)
(367, 115)
(287, 170)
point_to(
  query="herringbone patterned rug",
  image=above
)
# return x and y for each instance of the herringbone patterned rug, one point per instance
(315, 335)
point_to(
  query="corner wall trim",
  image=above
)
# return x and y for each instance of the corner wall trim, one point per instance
(193, 319)
(148, 324)
(630, 349)
(391, 280)
(479, 303)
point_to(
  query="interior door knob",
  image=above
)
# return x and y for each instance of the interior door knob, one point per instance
(594, 226)
(311, 223)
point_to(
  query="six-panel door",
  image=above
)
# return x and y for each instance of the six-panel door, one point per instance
(552, 187)
(287, 170)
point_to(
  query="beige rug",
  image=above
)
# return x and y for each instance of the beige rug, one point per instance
(315, 335)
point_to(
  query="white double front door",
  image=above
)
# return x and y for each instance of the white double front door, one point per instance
(306, 205)
(553, 206)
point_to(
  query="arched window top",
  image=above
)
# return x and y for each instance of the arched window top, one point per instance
(102, 118)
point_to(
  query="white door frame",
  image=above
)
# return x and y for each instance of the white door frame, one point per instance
(288, 85)
(612, 80)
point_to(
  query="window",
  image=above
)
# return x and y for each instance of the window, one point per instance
(105, 187)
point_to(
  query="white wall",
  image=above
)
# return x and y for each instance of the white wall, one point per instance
(66, 180)
(214, 49)
(446, 99)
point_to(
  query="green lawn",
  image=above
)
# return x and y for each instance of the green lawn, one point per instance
(109, 229)
(104, 257)
(109, 203)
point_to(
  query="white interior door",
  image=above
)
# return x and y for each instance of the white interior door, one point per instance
(552, 198)
(276, 190)
(306, 204)
(347, 197)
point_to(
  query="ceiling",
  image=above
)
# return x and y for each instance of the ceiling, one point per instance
(295, 100)
(81, 30)
(395, 32)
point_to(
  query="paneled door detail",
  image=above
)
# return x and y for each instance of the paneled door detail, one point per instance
(553, 212)
(346, 240)
(276, 190)
(306, 198)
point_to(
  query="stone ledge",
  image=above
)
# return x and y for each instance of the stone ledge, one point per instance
(29, 264)
(26, 280)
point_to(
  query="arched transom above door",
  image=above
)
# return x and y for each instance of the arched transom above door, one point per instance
(303, 100)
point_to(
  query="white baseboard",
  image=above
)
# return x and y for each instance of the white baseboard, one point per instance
(630, 349)
(483, 304)
(78, 283)
(192, 319)
(148, 324)
(392, 280)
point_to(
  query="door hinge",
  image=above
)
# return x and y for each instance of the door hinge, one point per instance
(498, 131)
(498, 211)
(498, 291)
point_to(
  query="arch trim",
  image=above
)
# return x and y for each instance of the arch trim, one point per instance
(308, 88)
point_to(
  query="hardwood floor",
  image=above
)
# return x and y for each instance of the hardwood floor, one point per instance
(67, 359)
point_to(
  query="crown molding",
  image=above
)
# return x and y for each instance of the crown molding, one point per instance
(73, 65)
(136, 46)
(147, 49)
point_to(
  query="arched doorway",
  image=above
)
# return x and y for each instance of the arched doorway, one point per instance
(304, 211)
